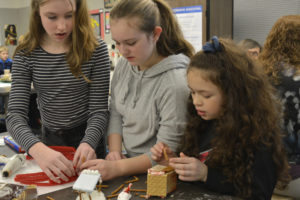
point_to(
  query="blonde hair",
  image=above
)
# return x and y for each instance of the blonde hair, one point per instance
(3, 48)
(21, 39)
(155, 13)
(83, 40)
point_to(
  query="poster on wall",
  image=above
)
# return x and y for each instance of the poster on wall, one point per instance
(190, 21)
(107, 25)
(10, 33)
(109, 3)
(97, 21)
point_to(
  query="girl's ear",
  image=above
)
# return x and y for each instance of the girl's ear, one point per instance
(156, 33)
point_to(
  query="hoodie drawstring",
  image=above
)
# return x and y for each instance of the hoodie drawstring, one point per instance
(138, 89)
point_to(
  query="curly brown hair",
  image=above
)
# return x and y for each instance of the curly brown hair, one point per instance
(282, 46)
(250, 119)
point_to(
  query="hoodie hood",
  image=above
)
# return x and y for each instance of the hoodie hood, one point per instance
(169, 63)
(137, 79)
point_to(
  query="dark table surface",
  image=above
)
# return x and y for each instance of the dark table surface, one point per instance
(184, 190)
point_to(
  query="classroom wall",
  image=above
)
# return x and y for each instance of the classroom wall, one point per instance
(16, 16)
(252, 19)
(18, 12)
(97, 4)
(14, 3)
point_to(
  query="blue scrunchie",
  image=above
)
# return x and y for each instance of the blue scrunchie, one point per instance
(212, 47)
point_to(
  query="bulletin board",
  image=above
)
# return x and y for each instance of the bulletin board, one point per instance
(190, 22)
(177, 4)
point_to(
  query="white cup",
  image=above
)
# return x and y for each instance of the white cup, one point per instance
(6, 71)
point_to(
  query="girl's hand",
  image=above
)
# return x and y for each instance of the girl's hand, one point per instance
(52, 162)
(83, 153)
(158, 155)
(189, 168)
(107, 169)
(115, 155)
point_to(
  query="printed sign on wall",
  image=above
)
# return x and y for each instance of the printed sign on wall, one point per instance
(190, 21)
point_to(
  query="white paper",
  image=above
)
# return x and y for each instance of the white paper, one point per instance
(31, 166)
(190, 21)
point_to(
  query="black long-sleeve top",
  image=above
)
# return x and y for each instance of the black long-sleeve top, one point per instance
(263, 173)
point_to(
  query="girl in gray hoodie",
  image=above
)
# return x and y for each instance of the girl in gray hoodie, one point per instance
(148, 90)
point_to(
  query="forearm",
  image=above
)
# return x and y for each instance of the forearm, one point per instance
(17, 111)
(115, 142)
(98, 96)
(18, 127)
(36, 149)
(96, 127)
(135, 165)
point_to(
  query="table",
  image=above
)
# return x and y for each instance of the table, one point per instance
(184, 191)
(4, 92)
(5, 88)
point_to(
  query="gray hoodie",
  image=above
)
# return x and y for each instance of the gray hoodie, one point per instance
(149, 106)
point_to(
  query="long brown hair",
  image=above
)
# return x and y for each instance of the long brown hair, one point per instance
(155, 13)
(282, 46)
(83, 40)
(250, 119)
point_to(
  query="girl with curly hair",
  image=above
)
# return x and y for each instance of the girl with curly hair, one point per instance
(233, 140)
(281, 62)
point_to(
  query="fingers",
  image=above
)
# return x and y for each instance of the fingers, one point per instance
(67, 167)
(76, 159)
(91, 155)
(62, 169)
(184, 171)
(157, 151)
(59, 174)
(84, 152)
(179, 166)
(55, 165)
(108, 169)
(51, 176)
(88, 164)
(114, 156)
(155, 154)
(189, 168)
(181, 160)
(189, 173)
(182, 155)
